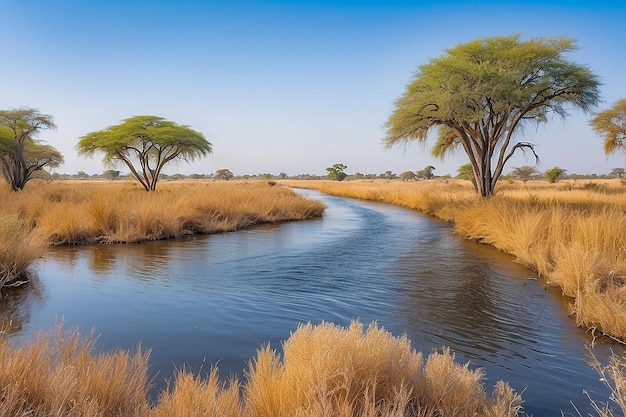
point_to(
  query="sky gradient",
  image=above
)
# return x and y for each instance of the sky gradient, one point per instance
(283, 86)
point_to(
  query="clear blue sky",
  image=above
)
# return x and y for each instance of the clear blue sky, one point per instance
(291, 86)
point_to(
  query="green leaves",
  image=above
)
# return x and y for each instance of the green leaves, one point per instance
(479, 92)
(148, 141)
(20, 153)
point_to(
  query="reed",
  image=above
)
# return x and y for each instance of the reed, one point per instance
(613, 374)
(325, 370)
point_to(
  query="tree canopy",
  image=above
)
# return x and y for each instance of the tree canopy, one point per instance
(337, 172)
(524, 172)
(21, 154)
(611, 124)
(479, 93)
(145, 144)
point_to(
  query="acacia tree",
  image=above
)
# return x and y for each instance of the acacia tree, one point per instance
(21, 154)
(426, 173)
(145, 144)
(480, 93)
(224, 174)
(524, 173)
(337, 172)
(553, 174)
(611, 124)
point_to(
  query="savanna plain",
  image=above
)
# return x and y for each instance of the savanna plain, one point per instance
(570, 233)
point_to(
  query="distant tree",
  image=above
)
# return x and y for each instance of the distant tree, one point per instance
(282, 175)
(553, 174)
(465, 172)
(337, 172)
(407, 176)
(196, 176)
(389, 175)
(223, 174)
(81, 174)
(617, 172)
(148, 141)
(111, 174)
(480, 93)
(426, 173)
(611, 124)
(21, 154)
(524, 172)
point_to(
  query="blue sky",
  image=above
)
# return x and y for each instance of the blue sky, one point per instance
(291, 86)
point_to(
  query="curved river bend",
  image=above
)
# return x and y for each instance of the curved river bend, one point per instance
(216, 299)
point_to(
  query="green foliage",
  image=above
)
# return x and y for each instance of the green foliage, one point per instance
(426, 173)
(336, 172)
(148, 141)
(553, 174)
(21, 155)
(480, 92)
(466, 172)
(611, 124)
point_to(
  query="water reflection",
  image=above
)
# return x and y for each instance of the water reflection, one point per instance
(16, 305)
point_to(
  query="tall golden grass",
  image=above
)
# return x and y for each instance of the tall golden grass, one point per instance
(116, 212)
(571, 233)
(19, 246)
(57, 374)
(325, 370)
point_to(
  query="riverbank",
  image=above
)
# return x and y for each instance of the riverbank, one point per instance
(80, 212)
(571, 233)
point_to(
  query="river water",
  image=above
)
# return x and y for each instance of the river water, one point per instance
(215, 300)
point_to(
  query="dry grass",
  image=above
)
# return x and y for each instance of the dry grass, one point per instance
(115, 212)
(572, 233)
(613, 375)
(122, 212)
(57, 375)
(19, 247)
(326, 370)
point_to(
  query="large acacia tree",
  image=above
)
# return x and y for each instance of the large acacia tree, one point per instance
(611, 124)
(21, 154)
(480, 93)
(145, 144)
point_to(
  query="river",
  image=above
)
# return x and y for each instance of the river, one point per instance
(215, 300)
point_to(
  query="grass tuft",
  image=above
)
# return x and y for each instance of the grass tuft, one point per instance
(326, 370)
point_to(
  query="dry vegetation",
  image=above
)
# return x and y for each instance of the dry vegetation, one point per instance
(19, 246)
(325, 370)
(571, 233)
(115, 212)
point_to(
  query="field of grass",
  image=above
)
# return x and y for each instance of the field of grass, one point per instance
(571, 233)
(122, 212)
(325, 370)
